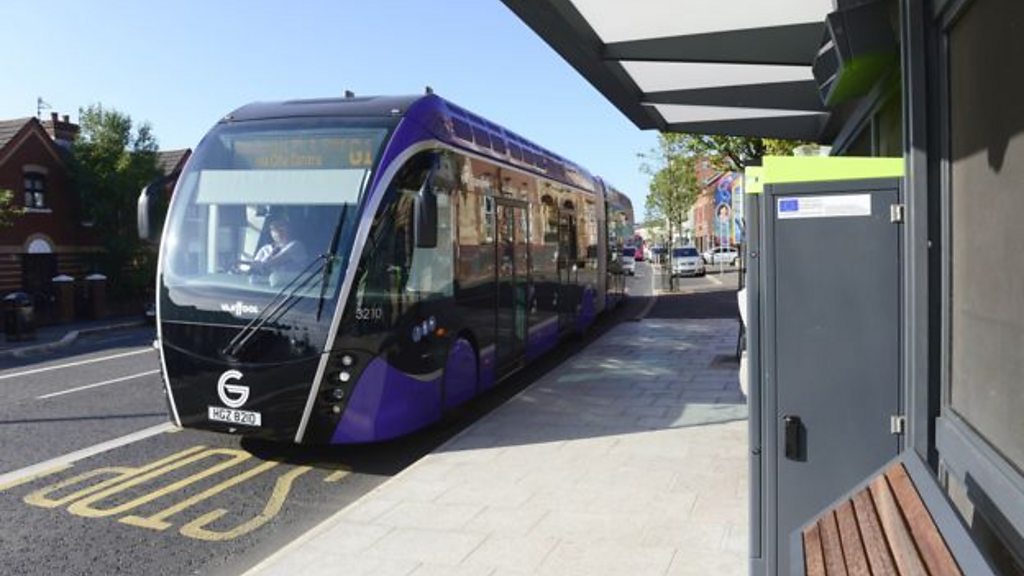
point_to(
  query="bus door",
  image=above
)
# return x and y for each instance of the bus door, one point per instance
(568, 275)
(512, 281)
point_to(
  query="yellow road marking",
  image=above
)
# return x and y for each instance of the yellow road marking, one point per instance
(85, 508)
(335, 476)
(40, 497)
(34, 477)
(156, 521)
(197, 528)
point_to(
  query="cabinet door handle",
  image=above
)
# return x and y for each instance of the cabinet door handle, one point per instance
(793, 427)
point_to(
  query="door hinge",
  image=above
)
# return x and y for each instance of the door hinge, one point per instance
(896, 213)
(897, 424)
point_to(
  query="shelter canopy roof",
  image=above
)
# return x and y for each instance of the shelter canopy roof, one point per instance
(737, 67)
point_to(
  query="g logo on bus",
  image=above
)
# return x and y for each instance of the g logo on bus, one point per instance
(232, 395)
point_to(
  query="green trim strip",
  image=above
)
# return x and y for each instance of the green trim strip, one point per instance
(785, 169)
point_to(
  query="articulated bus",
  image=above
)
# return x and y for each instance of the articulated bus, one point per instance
(349, 270)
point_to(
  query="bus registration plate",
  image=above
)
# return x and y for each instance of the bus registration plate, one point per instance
(232, 416)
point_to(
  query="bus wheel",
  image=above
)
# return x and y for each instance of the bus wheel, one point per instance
(460, 374)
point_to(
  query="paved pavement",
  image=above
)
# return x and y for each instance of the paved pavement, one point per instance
(630, 458)
(53, 337)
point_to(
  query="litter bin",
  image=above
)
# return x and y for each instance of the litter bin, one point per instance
(19, 317)
(64, 287)
(96, 287)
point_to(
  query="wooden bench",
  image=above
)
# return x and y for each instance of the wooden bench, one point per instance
(887, 527)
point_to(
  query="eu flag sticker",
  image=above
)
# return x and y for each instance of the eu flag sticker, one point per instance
(789, 205)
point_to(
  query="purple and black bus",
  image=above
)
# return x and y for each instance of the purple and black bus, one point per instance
(348, 270)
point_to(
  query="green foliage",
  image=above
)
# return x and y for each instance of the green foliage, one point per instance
(112, 161)
(731, 153)
(8, 209)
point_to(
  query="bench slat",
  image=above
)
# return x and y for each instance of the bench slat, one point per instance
(853, 548)
(875, 545)
(814, 561)
(902, 545)
(929, 542)
(832, 546)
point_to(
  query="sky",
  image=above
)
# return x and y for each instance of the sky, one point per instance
(182, 65)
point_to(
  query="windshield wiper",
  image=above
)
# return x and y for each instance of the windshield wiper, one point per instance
(279, 305)
(331, 257)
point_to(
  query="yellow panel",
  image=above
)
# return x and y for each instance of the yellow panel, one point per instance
(752, 176)
(786, 169)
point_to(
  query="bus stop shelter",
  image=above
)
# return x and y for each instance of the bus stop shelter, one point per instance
(934, 82)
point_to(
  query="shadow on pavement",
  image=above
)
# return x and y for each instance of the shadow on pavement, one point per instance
(698, 305)
(675, 369)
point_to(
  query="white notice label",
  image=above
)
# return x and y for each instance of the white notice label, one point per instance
(823, 206)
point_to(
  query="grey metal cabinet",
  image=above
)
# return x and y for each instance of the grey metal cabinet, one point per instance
(824, 301)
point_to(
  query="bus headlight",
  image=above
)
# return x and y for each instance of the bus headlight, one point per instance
(338, 394)
(431, 324)
(344, 376)
(416, 333)
(347, 360)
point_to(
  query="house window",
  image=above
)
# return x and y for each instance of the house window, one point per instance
(35, 190)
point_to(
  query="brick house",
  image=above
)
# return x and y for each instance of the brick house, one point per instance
(170, 164)
(49, 238)
(703, 211)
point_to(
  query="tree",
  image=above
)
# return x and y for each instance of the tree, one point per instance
(111, 163)
(731, 153)
(674, 187)
(8, 210)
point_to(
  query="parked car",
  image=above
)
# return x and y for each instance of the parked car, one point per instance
(687, 261)
(721, 255)
(629, 261)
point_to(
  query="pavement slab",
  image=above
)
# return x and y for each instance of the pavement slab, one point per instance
(628, 458)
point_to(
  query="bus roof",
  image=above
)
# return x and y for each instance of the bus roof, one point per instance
(445, 120)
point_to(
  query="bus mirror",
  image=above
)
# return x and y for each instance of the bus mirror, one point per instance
(152, 207)
(425, 218)
(425, 223)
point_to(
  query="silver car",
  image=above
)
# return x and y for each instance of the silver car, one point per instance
(722, 255)
(687, 261)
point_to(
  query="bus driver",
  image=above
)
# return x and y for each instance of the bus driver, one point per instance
(283, 254)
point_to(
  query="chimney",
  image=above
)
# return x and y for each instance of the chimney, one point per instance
(63, 131)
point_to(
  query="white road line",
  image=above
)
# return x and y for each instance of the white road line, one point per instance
(97, 385)
(11, 478)
(713, 279)
(73, 364)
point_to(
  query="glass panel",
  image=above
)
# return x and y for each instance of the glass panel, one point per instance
(280, 186)
(394, 274)
(987, 194)
(430, 274)
(259, 209)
